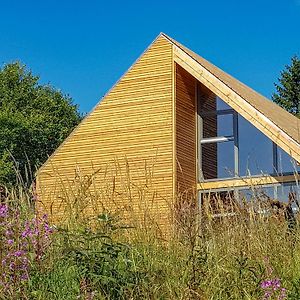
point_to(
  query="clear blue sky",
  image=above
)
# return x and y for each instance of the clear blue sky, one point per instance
(83, 47)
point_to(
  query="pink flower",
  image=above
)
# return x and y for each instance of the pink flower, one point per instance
(19, 253)
(272, 288)
(3, 210)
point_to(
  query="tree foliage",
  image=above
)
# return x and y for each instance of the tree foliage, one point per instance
(288, 88)
(34, 120)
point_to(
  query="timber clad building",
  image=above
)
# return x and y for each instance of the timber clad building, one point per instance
(174, 122)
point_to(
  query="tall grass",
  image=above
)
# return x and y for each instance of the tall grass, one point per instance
(226, 250)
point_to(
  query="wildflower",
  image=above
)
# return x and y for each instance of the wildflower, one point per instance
(24, 277)
(27, 232)
(273, 287)
(8, 232)
(24, 242)
(47, 228)
(10, 242)
(19, 253)
(3, 210)
(266, 284)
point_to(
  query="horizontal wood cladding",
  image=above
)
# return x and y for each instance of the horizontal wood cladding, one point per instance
(185, 91)
(126, 141)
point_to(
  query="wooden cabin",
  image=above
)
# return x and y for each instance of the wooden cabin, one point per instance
(164, 128)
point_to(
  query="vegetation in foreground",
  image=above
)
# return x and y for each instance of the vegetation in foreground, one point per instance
(241, 255)
(244, 255)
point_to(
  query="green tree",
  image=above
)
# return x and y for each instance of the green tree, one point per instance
(288, 88)
(34, 120)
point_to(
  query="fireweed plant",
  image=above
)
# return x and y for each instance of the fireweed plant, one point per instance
(272, 286)
(24, 242)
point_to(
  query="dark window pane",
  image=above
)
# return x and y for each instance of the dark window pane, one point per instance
(222, 105)
(214, 126)
(225, 160)
(217, 160)
(225, 125)
(286, 163)
(255, 150)
(209, 161)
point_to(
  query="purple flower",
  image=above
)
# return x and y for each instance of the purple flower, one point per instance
(19, 253)
(276, 284)
(272, 287)
(10, 242)
(8, 232)
(12, 266)
(47, 228)
(24, 276)
(266, 284)
(25, 241)
(267, 295)
(3, 210)
(282, 295)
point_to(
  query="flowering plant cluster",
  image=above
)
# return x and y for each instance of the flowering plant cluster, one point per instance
(273, 289)
(22, 242)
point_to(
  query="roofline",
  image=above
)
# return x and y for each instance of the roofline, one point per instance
(98, 103)
(289, 139)
(177, 45)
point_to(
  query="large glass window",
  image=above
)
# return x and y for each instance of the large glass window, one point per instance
(255, 150)
(218, 140)
(285, 164)
(230, 146)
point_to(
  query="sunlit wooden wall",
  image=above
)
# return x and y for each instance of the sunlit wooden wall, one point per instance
(127, 141)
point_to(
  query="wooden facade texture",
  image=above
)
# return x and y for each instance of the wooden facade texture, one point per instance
(186, 134)
(127, 140)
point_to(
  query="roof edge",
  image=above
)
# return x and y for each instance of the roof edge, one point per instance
(161, 34)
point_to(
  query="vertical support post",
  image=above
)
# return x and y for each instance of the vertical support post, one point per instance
(276, 192)
(275, 158)
(199, 136)
(236, 149)
(275, 167)
(236, 144)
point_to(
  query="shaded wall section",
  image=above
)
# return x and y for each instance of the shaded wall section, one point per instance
(209, 152)
(185, 91)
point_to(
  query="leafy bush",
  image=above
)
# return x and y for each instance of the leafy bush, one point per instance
(34, 120)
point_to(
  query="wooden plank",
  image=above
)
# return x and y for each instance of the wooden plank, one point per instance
(174, 120)
(247, 182)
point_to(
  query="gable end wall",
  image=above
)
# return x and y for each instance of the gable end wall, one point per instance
(127, 140)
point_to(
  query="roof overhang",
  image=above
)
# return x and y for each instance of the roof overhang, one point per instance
(243, 106)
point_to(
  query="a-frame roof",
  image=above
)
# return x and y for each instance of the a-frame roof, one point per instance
(284, 127)
(280, 126)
